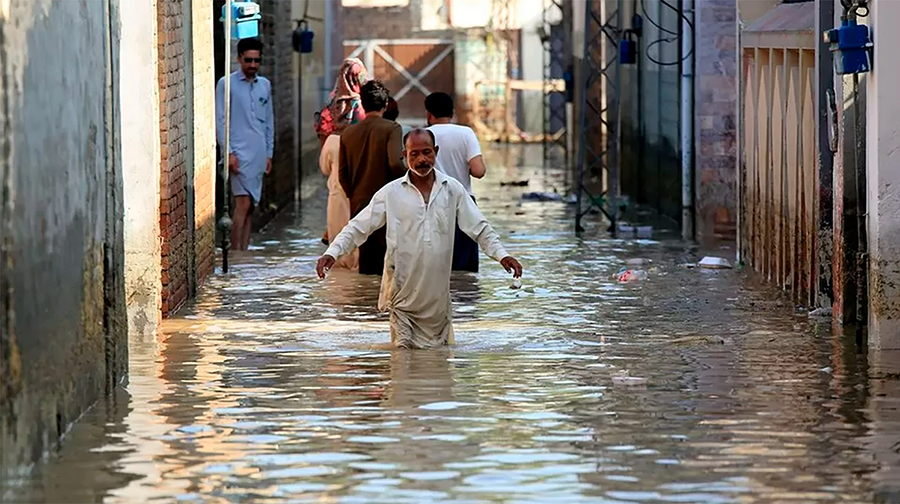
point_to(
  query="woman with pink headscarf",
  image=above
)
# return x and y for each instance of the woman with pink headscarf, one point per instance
(344, 108)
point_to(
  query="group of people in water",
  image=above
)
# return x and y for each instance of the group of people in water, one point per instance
(400, 201)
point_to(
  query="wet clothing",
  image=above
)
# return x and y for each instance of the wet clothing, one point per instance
(415, 287)
(370, 156)
(457, 145)
(465, 252)
(252, 131)
(344, 106)
(338, 205)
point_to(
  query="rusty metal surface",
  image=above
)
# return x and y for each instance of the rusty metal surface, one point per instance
(779, 169)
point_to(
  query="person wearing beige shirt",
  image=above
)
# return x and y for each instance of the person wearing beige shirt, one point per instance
(420, 212)
(369, 157)
(338, 213)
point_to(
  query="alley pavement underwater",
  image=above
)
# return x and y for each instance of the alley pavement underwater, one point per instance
(690, 385)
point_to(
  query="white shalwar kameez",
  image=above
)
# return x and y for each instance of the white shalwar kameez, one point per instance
(415, 287)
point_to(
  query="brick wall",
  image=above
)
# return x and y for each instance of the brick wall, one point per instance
(173, 146)
(204, 141)
(715, 127)
(276, 30)
(187, 148)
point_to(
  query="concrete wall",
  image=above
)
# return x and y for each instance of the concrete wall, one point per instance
(391, 22)
(715, 127)
(319, 70)
(883, 198)
(650, 166)
(63, 340)
(139, 104)
(278, 55)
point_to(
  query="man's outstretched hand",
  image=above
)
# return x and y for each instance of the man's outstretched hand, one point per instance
(326, 262)
(511, 265)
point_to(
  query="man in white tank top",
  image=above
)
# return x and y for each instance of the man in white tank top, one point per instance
(459, 157)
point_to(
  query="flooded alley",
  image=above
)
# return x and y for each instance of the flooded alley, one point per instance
(690, 386)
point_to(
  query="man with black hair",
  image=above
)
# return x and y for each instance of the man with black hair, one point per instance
(460, 158)
(252, 139)
(369, 157)
(420, 212)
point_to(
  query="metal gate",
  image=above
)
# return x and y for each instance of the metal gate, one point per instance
(410, 68)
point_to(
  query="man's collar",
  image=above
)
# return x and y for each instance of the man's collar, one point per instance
(439, 177)
(243, 76)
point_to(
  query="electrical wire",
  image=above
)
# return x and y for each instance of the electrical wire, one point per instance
(668, 40)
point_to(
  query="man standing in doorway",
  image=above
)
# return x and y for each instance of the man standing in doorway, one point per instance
(370, 156)
(460, 158)
(252, 136)
(421, 211)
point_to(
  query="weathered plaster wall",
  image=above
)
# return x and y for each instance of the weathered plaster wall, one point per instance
(140, 150)
(63, 345)
(883, 197)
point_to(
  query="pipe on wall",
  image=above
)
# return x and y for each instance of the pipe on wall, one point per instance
(687, 119)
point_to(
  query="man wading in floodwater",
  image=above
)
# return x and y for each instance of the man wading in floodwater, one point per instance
(421, 211)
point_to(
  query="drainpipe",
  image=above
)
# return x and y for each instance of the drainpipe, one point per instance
(687, 119)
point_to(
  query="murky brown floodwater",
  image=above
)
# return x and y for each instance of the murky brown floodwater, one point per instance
(684, 388)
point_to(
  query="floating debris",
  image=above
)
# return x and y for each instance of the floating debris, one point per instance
(711, 262)
(541, 196)
(705, 340)
(629, 276)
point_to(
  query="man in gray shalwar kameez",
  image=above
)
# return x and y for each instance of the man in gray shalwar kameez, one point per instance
(252, 136)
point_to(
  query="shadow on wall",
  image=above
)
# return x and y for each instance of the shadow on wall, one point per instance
(64, 343)
(651, 177)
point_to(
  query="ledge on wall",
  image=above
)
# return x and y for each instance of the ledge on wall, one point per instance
(787, 26)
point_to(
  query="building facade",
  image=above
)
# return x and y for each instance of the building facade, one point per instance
(108, 172)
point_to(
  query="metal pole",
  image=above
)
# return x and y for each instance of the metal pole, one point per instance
(225, 223)
(613, 170)
(739, 168)
(687, 120)
(582, 114)
(298, 176)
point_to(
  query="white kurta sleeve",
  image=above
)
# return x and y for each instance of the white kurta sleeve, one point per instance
(355, 233)
(472, 222)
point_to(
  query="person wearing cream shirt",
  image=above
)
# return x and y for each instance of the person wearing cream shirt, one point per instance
(420, 211)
